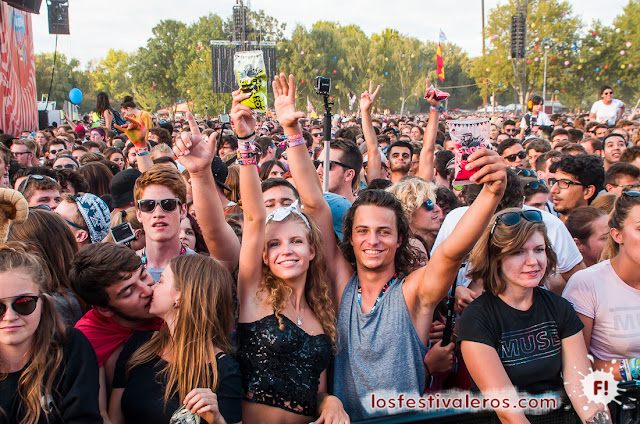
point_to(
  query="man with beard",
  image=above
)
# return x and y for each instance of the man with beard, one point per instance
(344, 169)
(577, 181)
(399, 159)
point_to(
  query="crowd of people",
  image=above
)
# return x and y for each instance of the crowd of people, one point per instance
(191, 271)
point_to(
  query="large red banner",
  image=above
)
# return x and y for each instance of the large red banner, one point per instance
(17, 72)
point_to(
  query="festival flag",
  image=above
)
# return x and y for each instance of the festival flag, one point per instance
(443, 38)
(311, 110)
(352, 100)
(440, 64)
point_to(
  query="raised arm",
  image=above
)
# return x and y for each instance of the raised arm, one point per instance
(195, 152)
(254, 212)
(136, 130)
(374, 160)
(432, 282)
(307, 182)
(427, 154)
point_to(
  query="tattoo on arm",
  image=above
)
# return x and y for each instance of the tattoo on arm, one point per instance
(601, 417)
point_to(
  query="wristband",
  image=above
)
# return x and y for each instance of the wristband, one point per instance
(247, 137)
(246, 155)
(634, 368)
(624, 364)
(292, 137)
(247, 145)
(249, 161)
(297, 142)
(145, 152)
(439, 108)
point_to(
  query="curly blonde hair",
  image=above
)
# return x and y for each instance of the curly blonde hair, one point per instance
(316, 289)
(412, 192)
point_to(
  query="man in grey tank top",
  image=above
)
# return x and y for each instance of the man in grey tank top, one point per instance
(384, 318)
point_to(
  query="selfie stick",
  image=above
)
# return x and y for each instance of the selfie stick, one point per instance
(327, 142)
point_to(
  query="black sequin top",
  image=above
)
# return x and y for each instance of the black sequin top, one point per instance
(281, 368)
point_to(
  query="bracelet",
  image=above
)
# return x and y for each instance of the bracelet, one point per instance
(627, 369)
(247, 137)
(293, 137)
(439, 108)
(634, 368)
(247, 145)
(297, 142)
(624, 363)
(249, 161)
(246, 155)
(146, 152)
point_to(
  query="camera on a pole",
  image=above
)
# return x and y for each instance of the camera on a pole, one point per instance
(322, 85)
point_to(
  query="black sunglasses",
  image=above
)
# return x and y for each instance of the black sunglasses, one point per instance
(22, 305)
(513, 157)
(167, 205)
(334, 162)
(317, 135)
(512, 218)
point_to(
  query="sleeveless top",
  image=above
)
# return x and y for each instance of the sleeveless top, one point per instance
(281, 368)
(378, 353)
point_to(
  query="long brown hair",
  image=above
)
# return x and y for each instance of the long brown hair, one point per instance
(45, 355)
(486, 256)
(204, 322)
(616, 220)
(316, 288)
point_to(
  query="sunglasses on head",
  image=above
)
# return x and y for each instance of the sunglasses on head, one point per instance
(167, 205)
(513, 157)
(534, 185)
(525, 172)
(22, 305)
(31, 177)
(512, 218)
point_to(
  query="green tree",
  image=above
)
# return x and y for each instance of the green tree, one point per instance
(67, 75)
(112, 75)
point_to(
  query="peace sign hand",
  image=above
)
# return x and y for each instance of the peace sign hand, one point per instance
(194, 150)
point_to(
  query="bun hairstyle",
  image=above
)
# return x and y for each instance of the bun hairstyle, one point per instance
(128, 102)
(534, 100)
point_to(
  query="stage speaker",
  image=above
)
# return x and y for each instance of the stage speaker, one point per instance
(58, 16)
(31, 6)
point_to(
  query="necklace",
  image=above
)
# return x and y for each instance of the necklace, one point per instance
(299, 321)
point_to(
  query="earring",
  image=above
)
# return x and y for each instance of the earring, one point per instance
(175, 305)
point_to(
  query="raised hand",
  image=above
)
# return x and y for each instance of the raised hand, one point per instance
(430, 95)
(492, 171)
(193, 150)
(135, 130)
(204, 403)
(367, 98)
(244, 121)
(285, 101)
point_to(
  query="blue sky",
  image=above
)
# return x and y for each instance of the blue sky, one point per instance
(97, 26)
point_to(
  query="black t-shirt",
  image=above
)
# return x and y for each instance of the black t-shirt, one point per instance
(143, 397)
(528, 342)
(74, 390)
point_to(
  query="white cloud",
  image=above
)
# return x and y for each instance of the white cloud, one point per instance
(97, 26)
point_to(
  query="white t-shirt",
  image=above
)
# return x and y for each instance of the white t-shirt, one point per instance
(541, 119)
(560, 238)
(607, 114)
(598, 293)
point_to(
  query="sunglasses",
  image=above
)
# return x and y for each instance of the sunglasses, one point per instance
(317, 135)
(428, 204)
(54, 151)
(67, 166)
(16, 154)
(334, 162)
(167, 205)
(631, 193)
(608, 93)
(525, 172)
(32, 177)
(510, 131)
(534, 185)
(512, 218)
(513, 157)
(22, 305)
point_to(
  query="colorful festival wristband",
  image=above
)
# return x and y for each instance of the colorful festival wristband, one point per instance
(249, 161)
(246, 155)
(623, 371)
(247, 145)
(634, 367)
